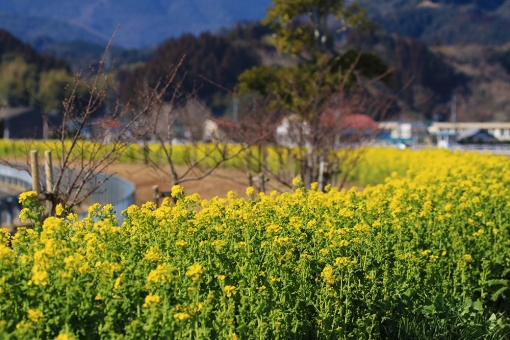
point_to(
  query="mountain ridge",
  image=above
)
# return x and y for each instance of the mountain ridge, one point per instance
(149, 23)
(142, 24)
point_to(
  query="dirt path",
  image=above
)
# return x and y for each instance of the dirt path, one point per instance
(218, 184)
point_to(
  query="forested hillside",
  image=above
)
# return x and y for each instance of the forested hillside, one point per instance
(11, 47)
(210, 64)
(28, 78)
(444, 21)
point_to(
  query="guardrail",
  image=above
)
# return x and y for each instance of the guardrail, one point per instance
(496, 149)
(115, 190)
(501, 149)
(9, 206)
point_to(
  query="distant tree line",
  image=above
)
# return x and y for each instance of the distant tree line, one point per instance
(210, 68)
(422, 76)
(10, 45)
(28, 78)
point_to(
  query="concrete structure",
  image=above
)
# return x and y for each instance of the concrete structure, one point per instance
(114, 190)
(9, 205)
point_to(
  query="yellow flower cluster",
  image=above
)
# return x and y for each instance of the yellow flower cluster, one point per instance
(27, 196)
(151, 299)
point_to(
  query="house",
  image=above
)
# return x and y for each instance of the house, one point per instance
(404, 132)
(292, 131)
(220, 130)
(334, 128)
(20, 123)
(476, 136)
(186, 121)
(356, 127)
(499, 130)
(445, 138)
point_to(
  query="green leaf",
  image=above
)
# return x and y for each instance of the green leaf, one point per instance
(498, 293)
(478, 305)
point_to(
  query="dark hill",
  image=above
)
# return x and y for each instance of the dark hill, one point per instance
(12, 46)
(447, 22)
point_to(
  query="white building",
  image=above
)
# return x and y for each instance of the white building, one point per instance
(404, 131)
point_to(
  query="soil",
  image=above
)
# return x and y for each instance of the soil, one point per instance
(217, 184)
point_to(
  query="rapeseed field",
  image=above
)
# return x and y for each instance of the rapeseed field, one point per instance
(424, 254)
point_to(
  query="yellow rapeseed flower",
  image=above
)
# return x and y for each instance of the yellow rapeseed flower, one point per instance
(151, 299)
(153, 254)
(162, 274)
(93, 208)
(182, 316)
(24, 215)
(39, 276)
(116, 285)
(64, 336)
(5, 236)
(34, 315)
(26, 196)
(59, 209)
(195, 270)
(343, 243)
(177, 191)
(327, 274)
(229, 290)
(250, 191)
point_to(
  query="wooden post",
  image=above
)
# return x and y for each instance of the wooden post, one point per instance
(34, 164)
(262, 183)
(322, 175)
(48, 167)
(155, 196)
(250, 179)
(334, 173)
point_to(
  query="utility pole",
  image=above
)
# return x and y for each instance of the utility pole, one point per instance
(235, 109)
(453, 115)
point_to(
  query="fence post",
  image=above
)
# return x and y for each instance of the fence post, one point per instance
(34, 164)
(324, 175)
(262, 183)
(48, 167)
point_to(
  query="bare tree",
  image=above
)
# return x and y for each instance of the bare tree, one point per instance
(194, 138)
(323, 141)
(93, 134)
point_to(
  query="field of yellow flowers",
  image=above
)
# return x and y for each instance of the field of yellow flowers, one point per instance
(425, 254)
